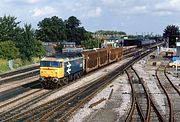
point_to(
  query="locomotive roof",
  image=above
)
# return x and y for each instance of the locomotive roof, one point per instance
(63, 56)
(68, 55)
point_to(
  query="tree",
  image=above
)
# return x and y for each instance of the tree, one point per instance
(8, 50)
(89, 44)
(74, 32)
(54, 29)
(81, 34)
(72, 22)
(39, 49)
(171, 32)
(51, 30)
(27, 44)
(112, 33)
(23, 42)
(9, 28)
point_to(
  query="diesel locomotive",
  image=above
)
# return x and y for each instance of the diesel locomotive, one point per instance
(63, 68)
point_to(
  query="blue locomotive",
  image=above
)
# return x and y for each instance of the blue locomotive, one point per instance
(60, 69)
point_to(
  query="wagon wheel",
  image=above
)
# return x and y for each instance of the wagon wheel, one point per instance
(65, 81)
(70, 78)
(43, 85)
(58, 85)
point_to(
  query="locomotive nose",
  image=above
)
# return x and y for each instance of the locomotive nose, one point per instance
(49, 72)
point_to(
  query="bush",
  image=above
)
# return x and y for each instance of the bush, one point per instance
(3, 65)
(8, 50)
(17, 63)
(89, 44)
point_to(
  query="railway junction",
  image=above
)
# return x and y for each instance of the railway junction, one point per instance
(139, 87)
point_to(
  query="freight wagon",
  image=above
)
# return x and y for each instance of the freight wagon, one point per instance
(60, 69)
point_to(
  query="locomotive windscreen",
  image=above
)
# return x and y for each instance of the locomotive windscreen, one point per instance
(50, 64)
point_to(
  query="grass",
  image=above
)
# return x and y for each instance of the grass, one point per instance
(18, 63)
(3, 65)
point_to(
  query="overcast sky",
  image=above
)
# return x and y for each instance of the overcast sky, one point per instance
(131, 16)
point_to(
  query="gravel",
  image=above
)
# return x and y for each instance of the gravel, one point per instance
(117, 108)
(82, 82)
(108, 110)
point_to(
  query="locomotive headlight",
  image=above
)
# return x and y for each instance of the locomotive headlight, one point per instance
(55, 80)
(41, 79)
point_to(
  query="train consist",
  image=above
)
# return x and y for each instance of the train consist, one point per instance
(139, 42)
(62, 68)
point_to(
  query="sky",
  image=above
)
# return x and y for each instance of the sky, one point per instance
(130, 16)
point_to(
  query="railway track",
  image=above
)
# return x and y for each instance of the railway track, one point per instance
(18, 99)
(23, 106)
(61, 108)
(19, 76)
(40, 113)
(143, 106)
(30, 72)
(20, 90)
(138, 95)
(172, 94)
(172, 84)
(20, 108)
(10, 93)
(8, 74)
(34, 70)
(5, 95)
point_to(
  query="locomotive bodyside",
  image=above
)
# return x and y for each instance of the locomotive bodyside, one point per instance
(73, 66)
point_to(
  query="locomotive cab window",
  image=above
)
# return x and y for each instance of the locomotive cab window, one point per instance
(50, 64)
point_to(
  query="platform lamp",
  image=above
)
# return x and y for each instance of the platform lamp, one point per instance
(177, 53)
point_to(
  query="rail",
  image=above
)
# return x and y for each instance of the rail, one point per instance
(150, 101)
(176, 89)
(171, 109)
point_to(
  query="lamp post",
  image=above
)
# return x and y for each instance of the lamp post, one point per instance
(177, 55)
